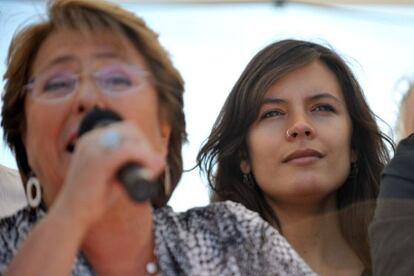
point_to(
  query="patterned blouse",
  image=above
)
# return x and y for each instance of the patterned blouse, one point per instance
(221, 239)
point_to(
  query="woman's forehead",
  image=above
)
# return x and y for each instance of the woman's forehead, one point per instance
(66, 44)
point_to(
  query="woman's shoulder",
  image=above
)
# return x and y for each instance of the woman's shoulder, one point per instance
(22, 218)
(13, 230)
(20, 221)
(228, 209)
(226, 234)
(221, 218)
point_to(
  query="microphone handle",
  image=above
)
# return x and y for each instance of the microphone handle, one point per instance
(136, 182)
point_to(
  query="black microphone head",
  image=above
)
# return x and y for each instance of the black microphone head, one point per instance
(96, 118)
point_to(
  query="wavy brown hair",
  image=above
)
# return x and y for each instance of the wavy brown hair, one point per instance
(221, 154)
(92, 16)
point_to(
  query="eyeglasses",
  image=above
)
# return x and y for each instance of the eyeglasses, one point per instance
(113, 80)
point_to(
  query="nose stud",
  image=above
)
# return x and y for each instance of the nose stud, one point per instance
(288, 133)
(304, 131)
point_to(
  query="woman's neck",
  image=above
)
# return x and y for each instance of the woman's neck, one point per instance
(314, 232)
(122, 243)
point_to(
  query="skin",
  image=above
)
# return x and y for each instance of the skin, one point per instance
(308, 103)
(46, 143)
(304, 115)
(86, 203)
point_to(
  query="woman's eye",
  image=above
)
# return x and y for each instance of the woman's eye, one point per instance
(324, 108)
(272, 113)
(58, 84)
(116, 82)
(119, 80)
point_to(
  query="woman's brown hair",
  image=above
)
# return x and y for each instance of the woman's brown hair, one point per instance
(92, 16)
(221, 154)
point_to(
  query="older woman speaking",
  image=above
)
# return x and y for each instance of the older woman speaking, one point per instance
(91, 55)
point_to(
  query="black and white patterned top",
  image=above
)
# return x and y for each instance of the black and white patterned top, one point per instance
(221, 239)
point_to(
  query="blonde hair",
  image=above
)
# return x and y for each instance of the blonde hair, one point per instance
(92, 16)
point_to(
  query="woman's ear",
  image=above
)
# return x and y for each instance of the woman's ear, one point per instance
(245, 166)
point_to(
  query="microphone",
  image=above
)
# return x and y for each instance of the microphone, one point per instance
(131, 175)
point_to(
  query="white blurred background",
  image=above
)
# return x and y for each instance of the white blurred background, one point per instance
(211, 44)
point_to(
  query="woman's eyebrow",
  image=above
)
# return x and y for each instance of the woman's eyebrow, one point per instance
(71, 58)
(108, 54)
(273, 100)
(59, 60)
(319, 96)
(324, 96)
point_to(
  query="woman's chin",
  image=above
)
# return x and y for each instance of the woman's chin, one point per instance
(305, 190)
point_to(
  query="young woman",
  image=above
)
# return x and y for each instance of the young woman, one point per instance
(296, 142)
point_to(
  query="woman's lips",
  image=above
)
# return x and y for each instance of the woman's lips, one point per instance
(304, 156)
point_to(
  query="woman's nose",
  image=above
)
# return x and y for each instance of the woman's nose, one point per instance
(88, 97)
(300, 129)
